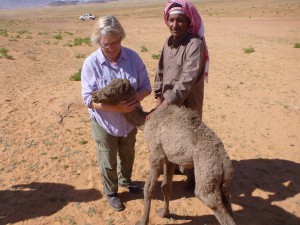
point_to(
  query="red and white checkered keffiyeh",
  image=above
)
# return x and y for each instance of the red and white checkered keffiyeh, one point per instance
(196, 26)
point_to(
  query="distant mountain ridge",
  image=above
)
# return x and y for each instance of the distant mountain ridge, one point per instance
(14, 4)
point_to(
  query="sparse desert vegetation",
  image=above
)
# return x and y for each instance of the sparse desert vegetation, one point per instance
(4, 54)
(297, 45)
(155, 56)
(248, 50)
(76, 76)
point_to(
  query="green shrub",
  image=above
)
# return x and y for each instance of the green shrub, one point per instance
(67, 32)
(3, 33)
(155, 56)
(79, 56)
(43, 33)
(297, 45)
(69, 44)
(58, 37)
(144, 49)
(23, 32)
(82, 41)
(76, 76)
(83, 142)
(248, 50)
(4, 54)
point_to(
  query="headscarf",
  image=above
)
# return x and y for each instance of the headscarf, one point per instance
(196, 25)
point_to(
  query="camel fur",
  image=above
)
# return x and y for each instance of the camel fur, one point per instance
(120, 90)
(176, 135)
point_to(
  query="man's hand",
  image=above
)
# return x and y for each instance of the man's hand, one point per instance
(159, 104)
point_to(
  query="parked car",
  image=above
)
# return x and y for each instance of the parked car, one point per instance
(87, 17)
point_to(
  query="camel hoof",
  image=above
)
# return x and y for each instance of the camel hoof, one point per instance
(140, 223)
(162, 213)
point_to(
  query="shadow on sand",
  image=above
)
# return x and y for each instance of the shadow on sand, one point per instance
(277, 179)
(33, 200)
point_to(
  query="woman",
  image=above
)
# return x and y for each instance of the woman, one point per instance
(183, 64)
(114, 136)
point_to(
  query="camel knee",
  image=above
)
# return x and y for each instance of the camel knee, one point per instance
(211, 199)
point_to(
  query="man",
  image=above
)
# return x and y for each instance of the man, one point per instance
(183, 64)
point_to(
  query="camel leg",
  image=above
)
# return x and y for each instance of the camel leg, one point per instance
(225, 191)
(209, 192)
(166, 188)
(214, 201)
(222, 214)
(150, 185)
(225, 187)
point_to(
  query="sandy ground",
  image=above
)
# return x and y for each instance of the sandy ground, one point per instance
(49, 173)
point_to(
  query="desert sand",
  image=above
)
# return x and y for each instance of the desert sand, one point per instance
(49, 173)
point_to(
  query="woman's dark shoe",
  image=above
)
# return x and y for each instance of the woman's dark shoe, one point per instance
(115, 202)
(132, 188)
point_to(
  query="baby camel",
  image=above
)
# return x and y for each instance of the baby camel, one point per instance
(175, 135)
(120, 90)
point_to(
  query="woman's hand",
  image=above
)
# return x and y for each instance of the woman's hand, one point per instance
(125, 107)
(138, 96)
(122, 107)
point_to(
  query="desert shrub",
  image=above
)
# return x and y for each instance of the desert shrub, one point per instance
(76, 76)
(13, 22)
(248, 50)
(43, 33)
(144, 49)
(69, 33)
(79, 56)
(82, 41)
(4, 54)
(3, 33)
(297, 45)
(83, 142)
(69, 44)
(23, 32)
(155, 56)
(58, 37)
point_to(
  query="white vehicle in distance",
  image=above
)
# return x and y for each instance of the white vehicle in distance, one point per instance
(87, 17)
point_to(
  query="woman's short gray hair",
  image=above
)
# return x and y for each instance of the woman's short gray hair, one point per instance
(107, 25)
